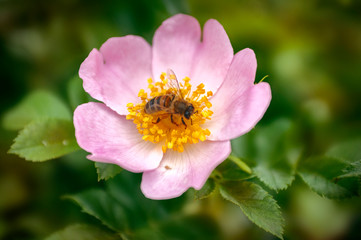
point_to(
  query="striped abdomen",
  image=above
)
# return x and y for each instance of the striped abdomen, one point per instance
(160, 103)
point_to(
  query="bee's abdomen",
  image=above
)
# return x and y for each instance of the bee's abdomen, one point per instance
(158, 104)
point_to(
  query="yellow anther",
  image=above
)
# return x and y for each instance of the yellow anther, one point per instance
(200, 86)
(195, 134)
(186, 79)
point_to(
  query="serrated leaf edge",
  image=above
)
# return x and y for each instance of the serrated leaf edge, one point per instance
(86, 210)
(321, 194)
(216, 187)
(267, 196)
(12, 150)
(271, 187)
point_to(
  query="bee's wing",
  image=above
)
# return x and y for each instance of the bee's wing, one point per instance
(173, 82)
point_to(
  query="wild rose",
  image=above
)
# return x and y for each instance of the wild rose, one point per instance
(173, 155)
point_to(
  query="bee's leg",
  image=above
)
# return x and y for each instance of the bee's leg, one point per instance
(184, 122)
(158, 120)
(171, 118)
(191, 121)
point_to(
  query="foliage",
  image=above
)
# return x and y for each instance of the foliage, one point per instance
(45, 139)
(127, 212)
(256, 204)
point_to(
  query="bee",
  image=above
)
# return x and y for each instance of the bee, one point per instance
(172, 102)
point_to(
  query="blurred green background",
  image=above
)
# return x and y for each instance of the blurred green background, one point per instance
(311, 51)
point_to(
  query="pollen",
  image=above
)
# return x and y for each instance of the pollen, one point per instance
(172, 131)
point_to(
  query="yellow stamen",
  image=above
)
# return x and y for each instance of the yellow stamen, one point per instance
(172, 135)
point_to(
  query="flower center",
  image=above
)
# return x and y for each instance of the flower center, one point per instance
(171, 116)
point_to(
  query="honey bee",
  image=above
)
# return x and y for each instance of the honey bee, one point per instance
(172, 102)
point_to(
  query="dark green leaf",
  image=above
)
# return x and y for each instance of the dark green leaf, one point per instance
(76, 93)
(82, 232)
(45, 139)
(272, 152)
(349, 151)
(320, 173)
(38, 105)
(256, 204)
(107, 170)
(102, 206)
(145, 234)
(190, 227)
(140, 210)
(241, 164)
(179, 228)
(353, 170)
(276, 175)
(208, 188)
(229, 170)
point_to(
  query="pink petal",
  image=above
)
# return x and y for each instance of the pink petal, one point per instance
(116, 73)
(180, 171)
(111, 138)
(239, 104)
(174, 45)
(177, 45)
(239, 115)
(213, 57)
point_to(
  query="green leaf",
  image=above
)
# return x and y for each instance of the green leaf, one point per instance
(320, 174)
(82, 232)
(349, 151)
(45, 139)
(256, 204)
(272, 151)
(208, 188)
(179, 227)
(38, 105)
(229, 170)
(276, 175)
(241, 164)
(103, 206)
(190, 227)
(353, 170)
(140, 210)
(107, 170)
(76, 93)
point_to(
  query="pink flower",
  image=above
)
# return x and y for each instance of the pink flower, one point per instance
(180, 157)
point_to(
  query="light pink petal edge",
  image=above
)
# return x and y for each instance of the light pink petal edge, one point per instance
(177, 45)
(111, 138)
(213, 58)
(180, 171)
(116, 73)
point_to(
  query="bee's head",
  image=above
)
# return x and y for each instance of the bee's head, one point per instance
(189, 111)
